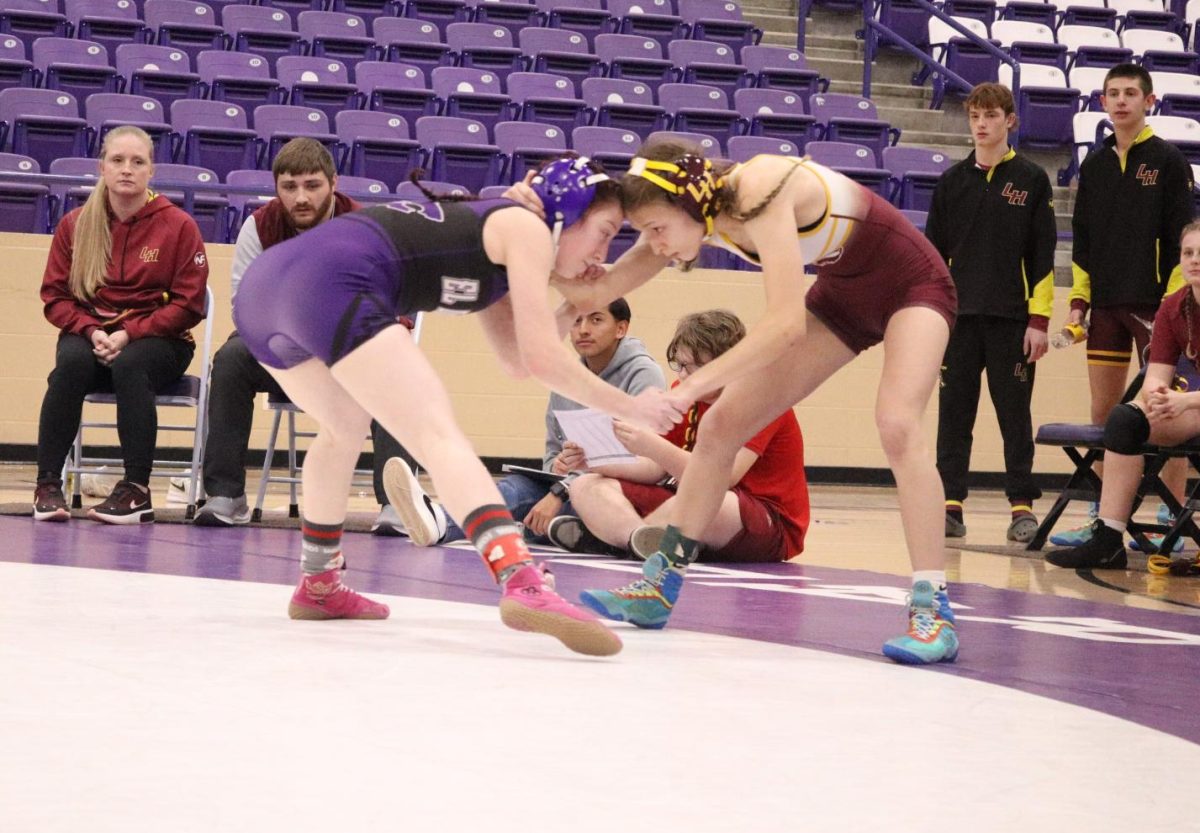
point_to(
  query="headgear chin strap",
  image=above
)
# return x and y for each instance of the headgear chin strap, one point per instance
(567, 188)
(690, 179)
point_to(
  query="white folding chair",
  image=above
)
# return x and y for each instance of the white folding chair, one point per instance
(186, 392)
(281, 406)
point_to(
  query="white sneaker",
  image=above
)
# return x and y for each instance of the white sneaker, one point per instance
(177, 489)
(424, 519)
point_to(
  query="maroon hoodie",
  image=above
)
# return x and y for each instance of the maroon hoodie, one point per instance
(157, 275)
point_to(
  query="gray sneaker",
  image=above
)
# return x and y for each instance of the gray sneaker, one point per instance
(1023, 529)
(223, 511)
(388, 524)
(569, 532)
(955, 528)
(645, 540)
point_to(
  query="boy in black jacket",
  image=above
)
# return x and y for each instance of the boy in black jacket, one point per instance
(1134, 198)
(992, 219)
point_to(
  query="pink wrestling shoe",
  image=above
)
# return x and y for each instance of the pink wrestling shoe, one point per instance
(530, 604)
(323, 596)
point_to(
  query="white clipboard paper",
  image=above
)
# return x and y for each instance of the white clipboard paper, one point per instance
(592, 430)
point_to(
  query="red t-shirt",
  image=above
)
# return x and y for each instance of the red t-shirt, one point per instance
(1169, 340)
(777, 476)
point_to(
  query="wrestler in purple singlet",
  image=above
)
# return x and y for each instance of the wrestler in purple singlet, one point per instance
(328, 291)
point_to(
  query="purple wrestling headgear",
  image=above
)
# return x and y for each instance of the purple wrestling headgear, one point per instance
(566, 188)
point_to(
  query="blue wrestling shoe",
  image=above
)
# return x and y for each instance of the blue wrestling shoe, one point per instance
(1164, 518)
(647, 602)
(931, 633)
(1079, 535)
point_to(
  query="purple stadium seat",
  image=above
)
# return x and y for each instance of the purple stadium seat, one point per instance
(916, 217)
(635, 58)
(1178, 93)
(24, 206)
(210, 211)
(982, 10)
(485, 46)
(410, 41)
(240, 78)
(528, 145)
(363, 188)
(16, 70)
(915, 172)
(295, 8)
(188, 25)
(277, 124)
(160, 72)
(960, 55)
(214, 135)
(587, 17)
(109, 22)
(776, 113)
(379, 146)
(262, 31)
(409, 191)
(560, 52)
(1045, 106)
(43, 124)
(709, 63)
(648, 19)
(321, 82)
(1145, 14)
(398, 89)
(335, 35)
(852, 118)
(1085, 13)
(549, 99)
(611, 147)
(855, 161)
(703, 109)
(1163, 51)
(781, 68)
(104, 111)
(31, 19)
(1031, 43)
(78, 67)
(1092, 46)
(745, 148)
(461, 152)
(719, 21)
(512, 15)
(709, 144)
(472, 94)
(69, 197)
(441, 13)
(623, 104)
(242, 206)
(907, 20)
(368, 10)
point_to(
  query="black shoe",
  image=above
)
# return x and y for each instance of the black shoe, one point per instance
(129, 503)
(1105, 550)
(568, 532)
(49, 503)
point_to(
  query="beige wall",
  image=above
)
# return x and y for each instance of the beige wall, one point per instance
(503, 417)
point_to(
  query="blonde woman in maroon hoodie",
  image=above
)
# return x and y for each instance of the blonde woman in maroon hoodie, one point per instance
(124, 284)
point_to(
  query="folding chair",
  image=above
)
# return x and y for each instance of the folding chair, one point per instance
(186, 392)
(1083, 443)
(283, 405)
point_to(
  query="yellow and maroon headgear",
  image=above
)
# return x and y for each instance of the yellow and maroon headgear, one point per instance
(689, 180)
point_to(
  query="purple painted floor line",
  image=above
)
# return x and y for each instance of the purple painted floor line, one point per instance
(1143, 666)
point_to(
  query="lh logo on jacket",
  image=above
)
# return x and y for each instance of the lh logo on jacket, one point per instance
(1014, 196)
(1146, 177)
(148, 255)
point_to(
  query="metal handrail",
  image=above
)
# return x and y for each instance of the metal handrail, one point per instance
(872, 29)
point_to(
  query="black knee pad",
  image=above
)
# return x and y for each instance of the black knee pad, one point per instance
(1126, 430)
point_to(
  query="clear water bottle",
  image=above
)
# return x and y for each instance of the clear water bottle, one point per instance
(1068, 335)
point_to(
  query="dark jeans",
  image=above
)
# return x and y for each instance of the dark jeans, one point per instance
(993, 345)
(236, 379)
(143, 368)
(520, 494)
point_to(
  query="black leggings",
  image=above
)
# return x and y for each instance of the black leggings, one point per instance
(143, 368)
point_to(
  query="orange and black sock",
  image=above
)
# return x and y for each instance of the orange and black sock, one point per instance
(499, 540)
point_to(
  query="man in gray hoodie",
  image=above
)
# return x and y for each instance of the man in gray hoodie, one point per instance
(600, 338)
